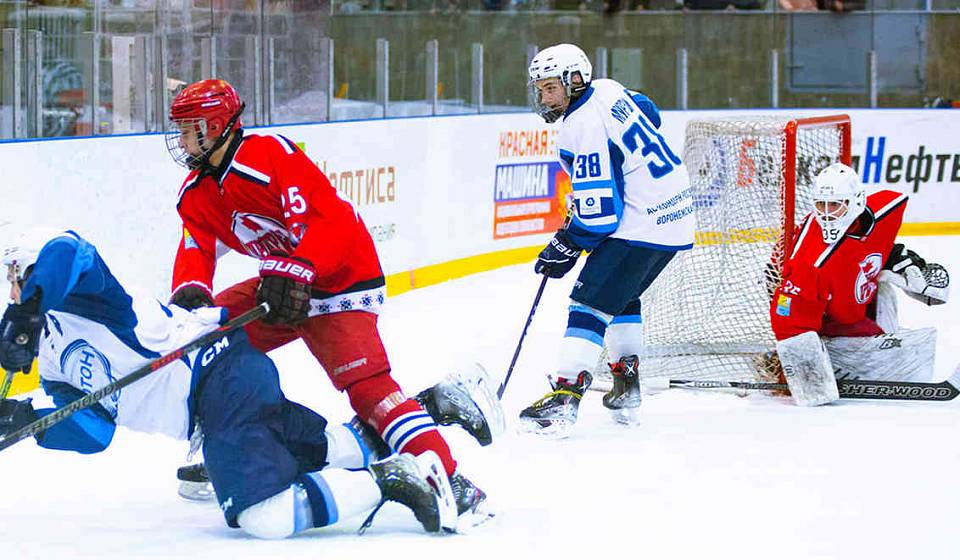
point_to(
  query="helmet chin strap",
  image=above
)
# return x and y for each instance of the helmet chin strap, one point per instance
(204, 160)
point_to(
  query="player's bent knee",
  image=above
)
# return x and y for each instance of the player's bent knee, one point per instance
(273, 518)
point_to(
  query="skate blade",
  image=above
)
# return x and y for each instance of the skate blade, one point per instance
(478, 384)
(432, 470)
(470, 521)
(552, 429)
(626, 416)
(196, 491)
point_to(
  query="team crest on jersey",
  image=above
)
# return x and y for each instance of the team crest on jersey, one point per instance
(261, 235)
(866, 284)
(90, 370)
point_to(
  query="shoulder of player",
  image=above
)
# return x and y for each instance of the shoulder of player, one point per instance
(886, 201)
(258, 156)
(192, 180)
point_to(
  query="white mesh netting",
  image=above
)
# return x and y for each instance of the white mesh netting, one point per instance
(706, 316)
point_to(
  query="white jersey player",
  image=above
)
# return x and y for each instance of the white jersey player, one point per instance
(632, 210)
(264, 453)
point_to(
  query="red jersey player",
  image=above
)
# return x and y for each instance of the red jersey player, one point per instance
(841, 253)
(261, 195)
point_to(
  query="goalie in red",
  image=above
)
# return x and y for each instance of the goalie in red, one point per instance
(838, 285)
(260, 195)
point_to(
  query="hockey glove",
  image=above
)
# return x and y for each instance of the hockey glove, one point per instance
(15, 414)
(20, 335)
(191, 297)
(285, 286)
(923, 281)
(900, 258)
(558, 257)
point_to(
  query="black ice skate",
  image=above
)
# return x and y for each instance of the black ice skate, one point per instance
(421, 485)
(624, 398)
(556, 413)
(194, 483)
(466, 494)
(468, 400)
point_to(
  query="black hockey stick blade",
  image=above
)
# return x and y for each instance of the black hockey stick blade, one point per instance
(89, 399)
(946, 390)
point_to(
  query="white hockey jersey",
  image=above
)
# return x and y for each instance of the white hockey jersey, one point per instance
(628, 183)
(95, 334)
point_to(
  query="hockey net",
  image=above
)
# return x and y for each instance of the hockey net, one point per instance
(707, 314)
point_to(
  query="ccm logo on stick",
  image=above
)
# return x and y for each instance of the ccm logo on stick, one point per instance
(287, 268)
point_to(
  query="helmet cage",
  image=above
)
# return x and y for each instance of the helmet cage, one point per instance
(572, 92)
(179, 152)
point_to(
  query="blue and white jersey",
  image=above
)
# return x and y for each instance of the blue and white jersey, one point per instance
(627, 182)
(95, 334)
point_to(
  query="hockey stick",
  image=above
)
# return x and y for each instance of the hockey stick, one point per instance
(516, 353)
(89, 399)
(7, 382)
(946, 390)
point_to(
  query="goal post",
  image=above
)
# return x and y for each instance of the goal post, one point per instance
(707, 314)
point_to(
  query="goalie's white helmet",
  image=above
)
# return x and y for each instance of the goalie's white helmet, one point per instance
(838, 199)
(562, 61)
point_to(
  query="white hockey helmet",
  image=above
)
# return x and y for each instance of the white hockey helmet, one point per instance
(20, 249)
(562, 61)
(838, 199)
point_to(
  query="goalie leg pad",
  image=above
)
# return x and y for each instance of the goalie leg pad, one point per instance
(905, 355)
(808, 370)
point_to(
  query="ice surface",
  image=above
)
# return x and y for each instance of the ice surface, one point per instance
(705, 475)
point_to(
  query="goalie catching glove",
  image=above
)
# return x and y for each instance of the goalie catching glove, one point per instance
(285, 286)
(558, 257)
(923, 281)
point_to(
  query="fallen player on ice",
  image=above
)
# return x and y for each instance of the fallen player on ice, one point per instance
(277, 467)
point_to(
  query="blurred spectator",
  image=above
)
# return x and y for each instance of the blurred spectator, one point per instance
(842, 5)
(724, 4)
(63, 97)
(941, 103)
(798, 5)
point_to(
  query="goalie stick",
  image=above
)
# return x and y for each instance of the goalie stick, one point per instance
(946, 390)
(89, 399)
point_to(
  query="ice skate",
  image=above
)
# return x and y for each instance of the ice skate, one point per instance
(467, 399)
(470, 502)
(623, 400)
(420, 484)
(194, 483)
(556, 413)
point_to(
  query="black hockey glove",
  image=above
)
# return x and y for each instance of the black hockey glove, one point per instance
(558, 257)
(20, 335)
(191, 297)
(900, 258)
(285, 285)
(15, 414)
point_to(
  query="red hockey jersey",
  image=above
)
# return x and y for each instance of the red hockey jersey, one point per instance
(827, 287)
(270, 197)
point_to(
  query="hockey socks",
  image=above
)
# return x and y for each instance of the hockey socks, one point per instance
(317, 499)
(401, 422)
(625, 333)
(582, 342)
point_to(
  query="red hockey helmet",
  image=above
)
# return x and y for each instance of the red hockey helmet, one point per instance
(202, 117)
